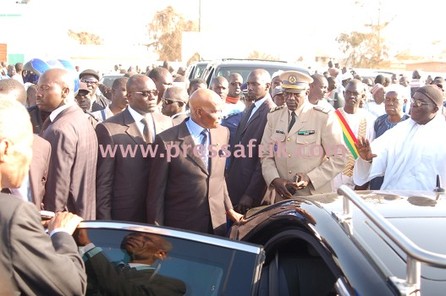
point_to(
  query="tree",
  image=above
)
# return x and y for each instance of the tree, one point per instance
(262, 56)
(366, 49)
(85, 38)
(166, 31)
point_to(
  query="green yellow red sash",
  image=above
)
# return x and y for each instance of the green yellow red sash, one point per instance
(349, 136)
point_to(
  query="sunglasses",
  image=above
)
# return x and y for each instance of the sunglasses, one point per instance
(169, 101)
(146, 93)
(89, 81)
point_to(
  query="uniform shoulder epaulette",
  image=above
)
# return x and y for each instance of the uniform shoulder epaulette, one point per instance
(322, 109)
(276, 108)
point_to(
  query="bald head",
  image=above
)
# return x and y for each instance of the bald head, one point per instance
(235, 85)
(221, 86)
(176, 93)
(205, 108)
(16, 137)
(54, 89)
(262, 75)
(318, 88)
(12, 89)
(259, 82)
(61, 77)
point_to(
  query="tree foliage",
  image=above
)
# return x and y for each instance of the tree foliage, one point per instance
(262, 56)
(365, 49)
(166, 30)
(85, 38)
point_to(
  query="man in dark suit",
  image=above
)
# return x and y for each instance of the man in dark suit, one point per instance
(188, 190)
(33, 187)
(74, 146)
(139, 276)
(122, 178)
(246, 185)
(38, 170)
(32, 262)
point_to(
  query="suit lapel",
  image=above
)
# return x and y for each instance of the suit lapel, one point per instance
(186, 139)
(217, 140)
(132, 128)
(255, 116)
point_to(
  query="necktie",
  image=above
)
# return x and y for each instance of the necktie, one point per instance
(146, 131)
(246, 117)
(205, 144)
(292, 121)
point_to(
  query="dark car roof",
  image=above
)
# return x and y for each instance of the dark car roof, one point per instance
(417, 215)
(227, 66)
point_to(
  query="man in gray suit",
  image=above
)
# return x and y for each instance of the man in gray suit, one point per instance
(74, 146)
(123, 166)
(188, 190)
(33, 187)
(245, 181)
(32, 262)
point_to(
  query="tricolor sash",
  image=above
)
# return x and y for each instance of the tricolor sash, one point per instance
(349, 136)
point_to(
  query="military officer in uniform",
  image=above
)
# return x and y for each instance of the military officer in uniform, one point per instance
(302, 145)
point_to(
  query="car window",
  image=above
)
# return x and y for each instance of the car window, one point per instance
(108, 79)
(206, 265)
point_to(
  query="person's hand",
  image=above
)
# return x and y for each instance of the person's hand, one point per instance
(302, 180)
(364, 150)
(235, 217)
(81, 237)
(283, 186)
(66, 220)
(244, 204)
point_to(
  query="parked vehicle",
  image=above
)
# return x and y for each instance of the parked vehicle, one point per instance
(195, 70)
(346, 243)
(225, 67)
(206, 264)
(388, 243)
(108, 79)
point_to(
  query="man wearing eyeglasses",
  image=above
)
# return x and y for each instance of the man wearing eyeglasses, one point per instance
(97, 100)
(123, 171)
(413, 153)
(174, 101)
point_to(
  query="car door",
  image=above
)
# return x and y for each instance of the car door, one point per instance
(206, 264)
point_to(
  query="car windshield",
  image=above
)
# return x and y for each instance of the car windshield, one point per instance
(244, 70)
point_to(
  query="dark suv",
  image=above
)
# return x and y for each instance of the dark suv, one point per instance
(225, 67)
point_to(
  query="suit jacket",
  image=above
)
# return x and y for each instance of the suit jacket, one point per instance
(38, 170)
(314, 146)
(72, 171)
(182, 192)
(104, 278)
(37, 118)
(245, 173)
(122, 179)
(34, 262)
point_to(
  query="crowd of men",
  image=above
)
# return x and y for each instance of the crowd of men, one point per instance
(159, 149)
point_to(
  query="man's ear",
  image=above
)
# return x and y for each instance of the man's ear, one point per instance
(5, 149)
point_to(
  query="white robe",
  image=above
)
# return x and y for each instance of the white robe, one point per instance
(409, 156)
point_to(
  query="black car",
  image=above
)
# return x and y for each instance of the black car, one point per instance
(388, 243)
(206, 264)
(225, 67)
(351, 243)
